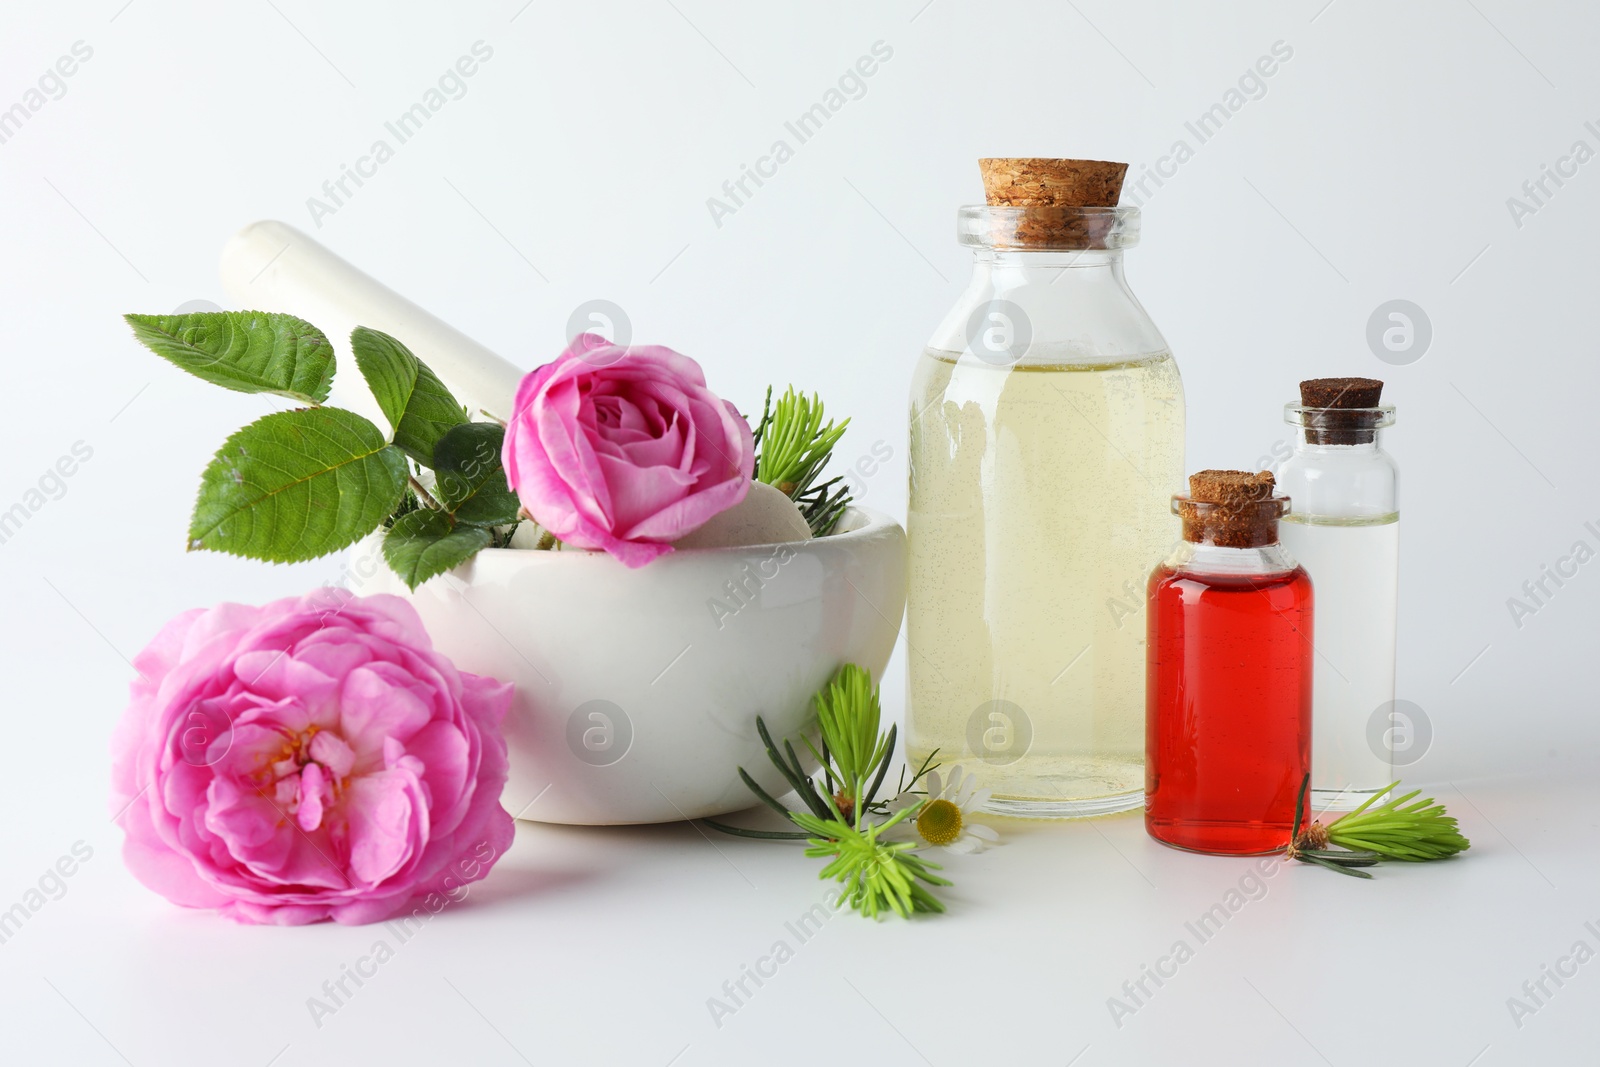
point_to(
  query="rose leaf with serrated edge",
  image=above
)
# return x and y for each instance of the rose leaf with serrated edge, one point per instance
(412, 397)
(296, 485)
(246, 351)
(426, 543)
(472, 484)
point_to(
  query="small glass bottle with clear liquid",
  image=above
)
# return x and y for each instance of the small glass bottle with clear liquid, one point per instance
(1047, 427)
(1345, 530)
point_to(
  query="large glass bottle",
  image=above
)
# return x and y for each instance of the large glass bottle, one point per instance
(1345, 530)
(1047, 426)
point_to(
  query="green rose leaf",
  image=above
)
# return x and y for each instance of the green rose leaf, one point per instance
(425, 543)
(296, 485)
(389, 368)
(472, 484)
(413, 399)
(246, 351)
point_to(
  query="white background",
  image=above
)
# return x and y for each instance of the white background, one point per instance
(1376, 166)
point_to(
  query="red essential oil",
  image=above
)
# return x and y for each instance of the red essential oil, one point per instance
(1228, 712)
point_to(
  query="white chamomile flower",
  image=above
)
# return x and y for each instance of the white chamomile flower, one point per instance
(946, 816)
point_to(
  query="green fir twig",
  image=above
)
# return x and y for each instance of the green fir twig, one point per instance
(1398, 829)
(854, 756)
(878, 876)
(793, 445)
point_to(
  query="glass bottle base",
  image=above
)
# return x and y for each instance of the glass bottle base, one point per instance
(1062, 787)
(1219, 838)
(1342, 799)
(1059, 808)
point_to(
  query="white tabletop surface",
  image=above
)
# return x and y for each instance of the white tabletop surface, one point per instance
(614, 946)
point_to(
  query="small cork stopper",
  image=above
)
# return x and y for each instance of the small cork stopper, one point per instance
(1231, 487)
(1053, 190)
(1233, 509)
(1340, 392)
(1035, 182)
(1336, 424)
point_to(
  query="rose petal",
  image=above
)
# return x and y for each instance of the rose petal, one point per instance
(312, 783)
(386, 816)
(372, 708)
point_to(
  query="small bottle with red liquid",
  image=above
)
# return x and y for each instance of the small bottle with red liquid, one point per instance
(1228, 694)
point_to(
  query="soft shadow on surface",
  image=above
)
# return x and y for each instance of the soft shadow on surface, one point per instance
(549, 858)
(756, 815)
(507, 883)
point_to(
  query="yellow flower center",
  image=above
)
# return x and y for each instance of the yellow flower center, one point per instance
(939, 822)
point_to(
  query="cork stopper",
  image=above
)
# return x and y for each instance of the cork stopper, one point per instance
(1231, 487)
(1346, 414)
(1034, 182)
(1054, 193)
(1340, 392)
(1233, 509)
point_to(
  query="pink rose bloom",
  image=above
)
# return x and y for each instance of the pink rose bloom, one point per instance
(311, 759)
(624, 449)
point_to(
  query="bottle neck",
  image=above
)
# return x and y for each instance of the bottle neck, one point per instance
(1199, 558)
(1307, 439)
(1008, 267)
(1317, 427)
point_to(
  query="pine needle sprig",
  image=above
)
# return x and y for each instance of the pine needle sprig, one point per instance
(848, 717)
(1399, 829)
(877, 875)
(793, 440)
(842, 801)
(1309, 847)
(854, 757)
(822, 505)
(793, 445)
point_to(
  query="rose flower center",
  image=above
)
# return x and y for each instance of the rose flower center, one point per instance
(308, 774)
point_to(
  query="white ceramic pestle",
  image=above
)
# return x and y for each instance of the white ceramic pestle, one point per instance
(271, 266)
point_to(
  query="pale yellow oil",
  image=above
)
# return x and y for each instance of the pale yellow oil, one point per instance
(1039, 504)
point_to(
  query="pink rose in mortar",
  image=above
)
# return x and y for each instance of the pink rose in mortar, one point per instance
(624, 449)
(310, 759)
